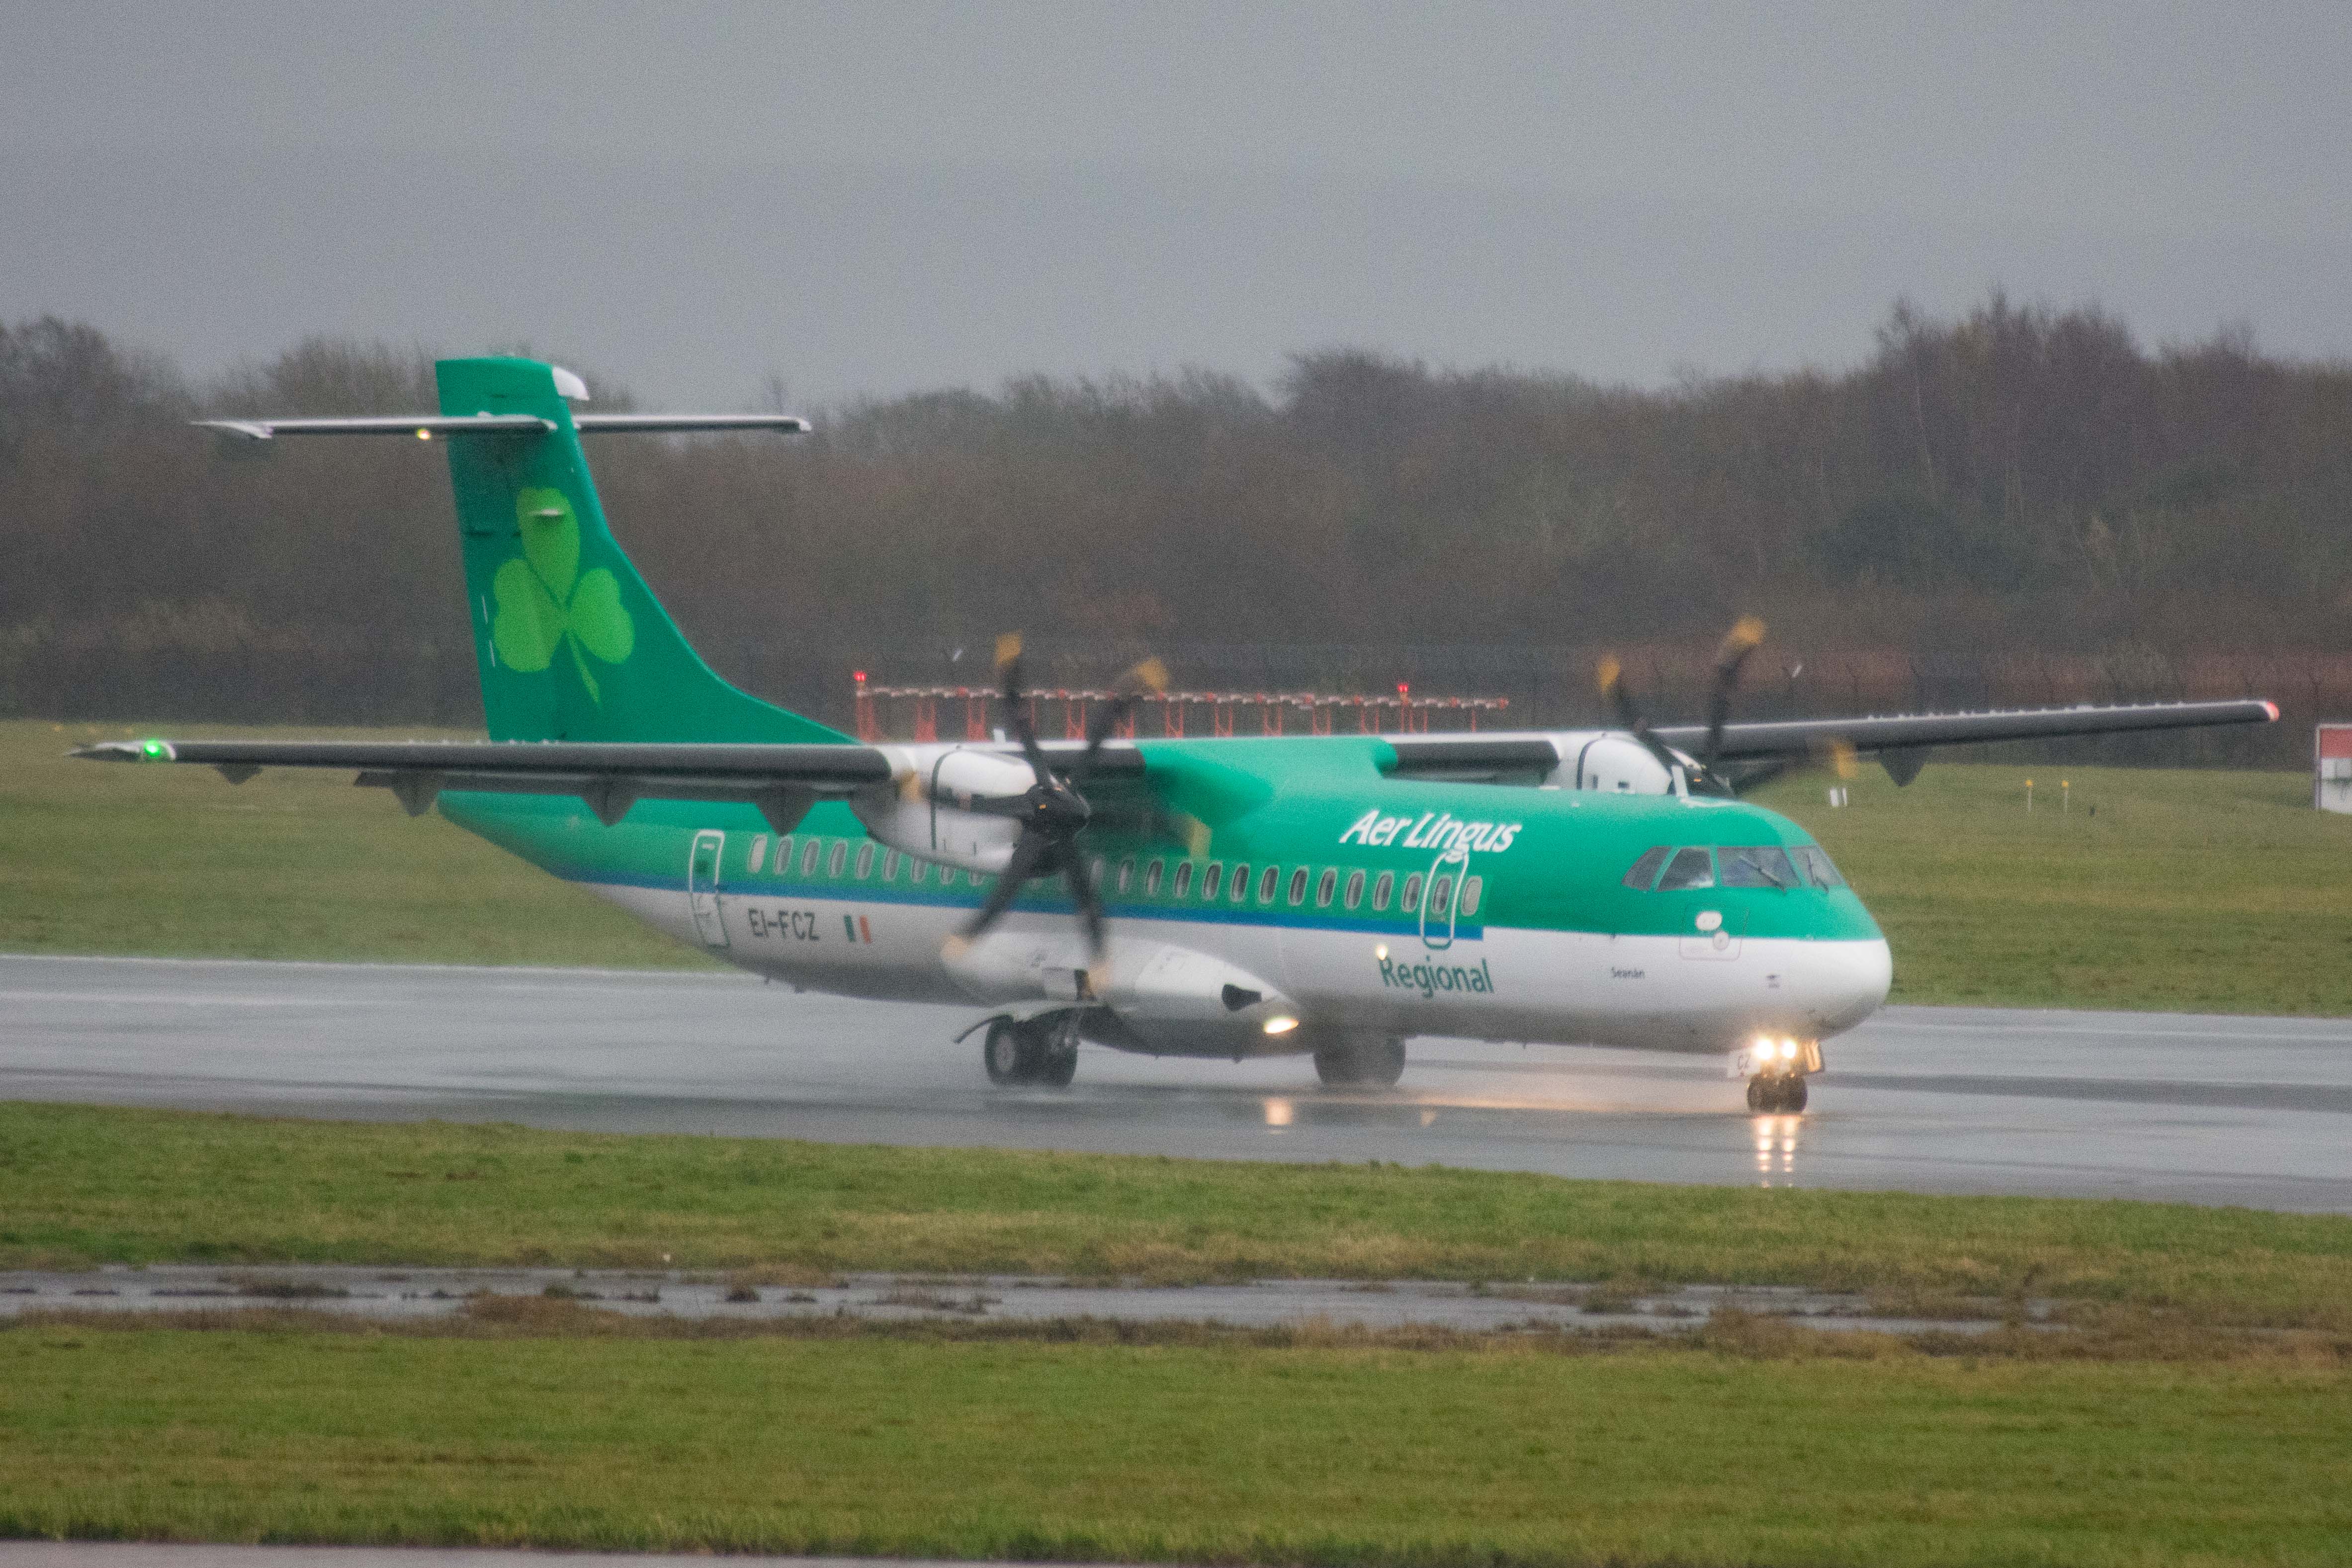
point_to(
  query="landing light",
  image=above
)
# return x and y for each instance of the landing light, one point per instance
(425, 435)
(1280, 1025)
(1380, 952)
(1788, 1050)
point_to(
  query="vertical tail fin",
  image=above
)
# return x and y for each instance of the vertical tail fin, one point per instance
(572, 644)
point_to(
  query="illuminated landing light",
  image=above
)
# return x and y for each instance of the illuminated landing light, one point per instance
(1380, 952)
(1280, 1025)
(1788, 1050)
(1278, 1113)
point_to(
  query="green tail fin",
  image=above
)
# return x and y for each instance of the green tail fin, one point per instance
(572, 644)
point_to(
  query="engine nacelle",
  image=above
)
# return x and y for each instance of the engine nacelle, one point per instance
(1609, 761)
(928, 811)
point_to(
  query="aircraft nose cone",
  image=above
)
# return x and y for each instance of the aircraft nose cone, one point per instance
(1846, 982)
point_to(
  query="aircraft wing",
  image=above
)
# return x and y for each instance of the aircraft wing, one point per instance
(782, 781)
(1775, 739)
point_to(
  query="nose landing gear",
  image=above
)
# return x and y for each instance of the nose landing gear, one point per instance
(1043, 1051)
(1776, 1091)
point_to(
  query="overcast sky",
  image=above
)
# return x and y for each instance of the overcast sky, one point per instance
(873, 198)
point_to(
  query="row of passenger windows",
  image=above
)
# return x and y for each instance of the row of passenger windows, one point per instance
(1190, 880)
(1667, 869)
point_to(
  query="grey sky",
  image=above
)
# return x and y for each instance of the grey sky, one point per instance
(876, 199)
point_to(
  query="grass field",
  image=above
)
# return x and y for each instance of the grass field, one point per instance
(2198, 891)
(1204, 1453)
(89, 1185)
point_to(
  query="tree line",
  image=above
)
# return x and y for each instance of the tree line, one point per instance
(2017, 505)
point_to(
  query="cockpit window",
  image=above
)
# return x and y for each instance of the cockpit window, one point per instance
(1689, 869)
(1756, 866)
(1815, 861)
(1645, 874)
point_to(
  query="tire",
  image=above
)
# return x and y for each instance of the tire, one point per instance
(1060, 1068)
(1792, 1098)
(1759, 1094)
(1381, 1064)
(1001, 1052)
(1369, 1063)
(1336, 1069)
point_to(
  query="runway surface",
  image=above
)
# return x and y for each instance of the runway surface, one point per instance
(2203, 1110)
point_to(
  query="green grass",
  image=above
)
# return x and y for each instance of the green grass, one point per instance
(85, 1185)
(1197, 1453)
(2191, 890)
(100, 857)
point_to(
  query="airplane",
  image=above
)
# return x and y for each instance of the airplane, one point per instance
(1329, 896)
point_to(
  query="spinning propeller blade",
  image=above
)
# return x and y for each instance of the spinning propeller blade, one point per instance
(1054, 812)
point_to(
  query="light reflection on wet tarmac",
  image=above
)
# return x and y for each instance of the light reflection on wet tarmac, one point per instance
(2219, 1111)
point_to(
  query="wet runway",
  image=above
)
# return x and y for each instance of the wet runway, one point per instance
(2204, 1109)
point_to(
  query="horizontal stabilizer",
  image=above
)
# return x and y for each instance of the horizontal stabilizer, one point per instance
(432, 426)
(781, 779)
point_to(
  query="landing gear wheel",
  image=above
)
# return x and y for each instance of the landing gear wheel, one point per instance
(1792, 1098)
(1759, 1094)
(1057, 1058)
(1001, 1052)
(1373, 1063)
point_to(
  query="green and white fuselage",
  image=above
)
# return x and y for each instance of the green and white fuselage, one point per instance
(1335, 895)
(1346, 901)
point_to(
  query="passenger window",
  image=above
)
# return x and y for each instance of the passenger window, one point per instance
(808, 857)
(979, 880)
(1126, 875)
(1152, 880)
(1816, 863)
(1210, 878)
(759, 852)
(1759, 866)
(1411, 899)
(1241, 881)
(1472, 887)
(1382, 889)
(889, 865)
(1645, 874)
(1689, 869)
(1298, 886)
(1265, 883)
(1098, 872)
(1183, 878)
(1441, 895)
(1355, 889)
(838, 859)
(921, 873)
(783, 861)
(864, 860)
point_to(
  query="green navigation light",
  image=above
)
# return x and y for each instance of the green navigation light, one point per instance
(154, 750)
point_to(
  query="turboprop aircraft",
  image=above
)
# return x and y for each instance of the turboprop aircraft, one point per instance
(1331, 896)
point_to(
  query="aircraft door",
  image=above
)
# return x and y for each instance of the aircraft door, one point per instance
(1441, 897)
(702, 886)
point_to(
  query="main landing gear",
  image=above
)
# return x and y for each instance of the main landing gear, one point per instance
(1041, 1050)
(1776, 1091)
(1376, 1063)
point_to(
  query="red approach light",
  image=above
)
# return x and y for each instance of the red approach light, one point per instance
(1403, 687)
(858, 676)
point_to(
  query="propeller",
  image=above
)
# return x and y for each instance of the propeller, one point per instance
(1053, 812)
(1745, 636)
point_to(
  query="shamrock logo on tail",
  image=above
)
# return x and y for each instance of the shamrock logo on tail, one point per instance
(546, 602)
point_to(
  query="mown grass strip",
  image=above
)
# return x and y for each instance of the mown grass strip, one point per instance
(1222, 1453)
(81, 1186)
